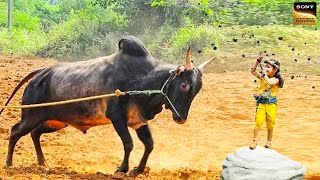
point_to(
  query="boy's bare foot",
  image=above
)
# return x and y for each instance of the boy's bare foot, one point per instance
(268, 145)
(254, 144)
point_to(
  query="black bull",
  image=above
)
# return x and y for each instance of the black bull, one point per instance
(131, 68)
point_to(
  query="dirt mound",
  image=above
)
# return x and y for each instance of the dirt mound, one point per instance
(221, 120)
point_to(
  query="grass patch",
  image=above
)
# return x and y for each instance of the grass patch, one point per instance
(250, 40)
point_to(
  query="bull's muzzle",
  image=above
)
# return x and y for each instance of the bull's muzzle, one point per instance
(179, 120)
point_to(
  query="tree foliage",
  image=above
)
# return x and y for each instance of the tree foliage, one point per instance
(89, 28)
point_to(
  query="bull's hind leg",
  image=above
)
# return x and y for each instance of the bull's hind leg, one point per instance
(145, 136)
(17, 131)
(46, 127)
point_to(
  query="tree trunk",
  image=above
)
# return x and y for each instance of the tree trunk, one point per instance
(10, 7)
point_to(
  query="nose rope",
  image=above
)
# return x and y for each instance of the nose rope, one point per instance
(172, 106)
(166, 85)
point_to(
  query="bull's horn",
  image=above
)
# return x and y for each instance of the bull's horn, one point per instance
(204, 64)
(188, 59)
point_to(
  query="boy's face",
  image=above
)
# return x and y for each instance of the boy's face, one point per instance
(270, 70)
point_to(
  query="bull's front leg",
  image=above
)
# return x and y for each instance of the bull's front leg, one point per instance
(145, 136)
(122, 130)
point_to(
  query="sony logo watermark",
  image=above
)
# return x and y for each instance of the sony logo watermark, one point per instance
(305, 6)
(305, 13)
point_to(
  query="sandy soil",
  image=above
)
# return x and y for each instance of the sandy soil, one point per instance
(221, 120)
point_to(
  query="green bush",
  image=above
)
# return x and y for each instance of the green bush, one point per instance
(21, 41)
(81, 29)
(3, 14)
(87, 33)
(199, 37)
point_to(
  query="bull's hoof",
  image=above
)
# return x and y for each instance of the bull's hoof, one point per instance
(43, 169)
(42, 164)
(135, 172)
(7, 165)
(122, 169)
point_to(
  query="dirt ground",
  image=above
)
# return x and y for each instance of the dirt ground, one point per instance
(221, 120)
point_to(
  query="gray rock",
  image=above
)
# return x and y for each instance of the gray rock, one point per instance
(261, 163)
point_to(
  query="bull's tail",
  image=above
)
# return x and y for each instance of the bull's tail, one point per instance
(23, 81)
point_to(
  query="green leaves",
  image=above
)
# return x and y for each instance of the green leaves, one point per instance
(88, 28)
(158, 3)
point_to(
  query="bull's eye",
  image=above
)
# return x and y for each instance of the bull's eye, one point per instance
(184, 86)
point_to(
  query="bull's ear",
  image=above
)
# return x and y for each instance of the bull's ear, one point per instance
(180, 70)
(120, 44)
(199, 72)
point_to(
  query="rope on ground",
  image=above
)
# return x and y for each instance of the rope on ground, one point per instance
(117, 93)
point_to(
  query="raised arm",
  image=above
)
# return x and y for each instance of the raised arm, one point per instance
(253, 70)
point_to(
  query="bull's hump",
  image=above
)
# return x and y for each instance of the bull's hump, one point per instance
(132, 46)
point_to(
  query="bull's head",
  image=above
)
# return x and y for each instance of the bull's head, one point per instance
(184, 86)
